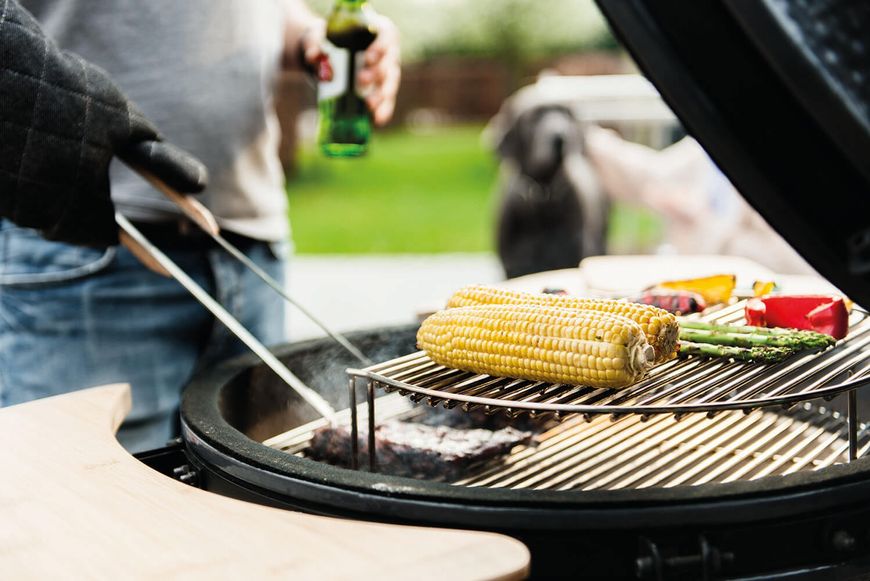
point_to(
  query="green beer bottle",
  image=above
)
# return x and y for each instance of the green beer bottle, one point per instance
(345, 123)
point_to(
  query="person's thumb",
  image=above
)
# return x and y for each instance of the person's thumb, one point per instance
(175, 167)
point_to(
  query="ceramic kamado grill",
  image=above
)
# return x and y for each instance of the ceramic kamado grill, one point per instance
(707, 468)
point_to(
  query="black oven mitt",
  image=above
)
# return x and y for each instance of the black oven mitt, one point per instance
(62, 120)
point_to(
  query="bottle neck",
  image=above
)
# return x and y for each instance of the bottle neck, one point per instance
(352, 4)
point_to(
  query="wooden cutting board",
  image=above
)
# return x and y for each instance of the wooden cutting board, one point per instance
(75, 504)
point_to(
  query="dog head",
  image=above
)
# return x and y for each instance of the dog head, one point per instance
(538, 140)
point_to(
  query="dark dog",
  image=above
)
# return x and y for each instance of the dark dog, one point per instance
(553, 213)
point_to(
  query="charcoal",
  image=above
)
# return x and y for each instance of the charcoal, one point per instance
(417, 450)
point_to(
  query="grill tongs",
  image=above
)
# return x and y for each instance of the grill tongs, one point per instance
(157, 261)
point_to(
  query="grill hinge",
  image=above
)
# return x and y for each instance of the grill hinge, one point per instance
(187, 474)
(707, 563)
(172, 461)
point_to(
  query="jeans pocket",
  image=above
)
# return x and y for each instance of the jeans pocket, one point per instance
(28, 259)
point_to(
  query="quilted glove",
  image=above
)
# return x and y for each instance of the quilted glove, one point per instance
(62, 120)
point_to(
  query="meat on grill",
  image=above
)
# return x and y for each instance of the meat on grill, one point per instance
(417, 450)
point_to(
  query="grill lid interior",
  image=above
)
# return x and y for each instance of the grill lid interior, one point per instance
(778, 93)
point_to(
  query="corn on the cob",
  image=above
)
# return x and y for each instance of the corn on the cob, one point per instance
(660, 326)
(539, 343)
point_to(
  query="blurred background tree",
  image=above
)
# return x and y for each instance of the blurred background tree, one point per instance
(519, 34)
(514, 29)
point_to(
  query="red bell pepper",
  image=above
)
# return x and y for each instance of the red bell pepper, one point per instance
(823, 313)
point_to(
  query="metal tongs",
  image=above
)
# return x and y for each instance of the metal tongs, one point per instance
(157, 261)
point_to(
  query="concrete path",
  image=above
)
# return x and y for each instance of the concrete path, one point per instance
(356, 292)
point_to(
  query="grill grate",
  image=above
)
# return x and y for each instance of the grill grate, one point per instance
(679, 386)
(757, 419)
(662, 452)
(665, 452)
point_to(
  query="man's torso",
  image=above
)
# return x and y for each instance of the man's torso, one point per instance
(202, 71)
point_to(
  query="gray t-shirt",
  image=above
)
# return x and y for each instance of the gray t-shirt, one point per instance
(203, 72)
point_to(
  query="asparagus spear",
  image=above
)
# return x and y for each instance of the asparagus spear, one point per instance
(702, 326)
(762, 354)
(793, 341)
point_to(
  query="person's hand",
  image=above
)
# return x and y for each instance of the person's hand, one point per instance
(62, 121)
(379, 78)
(314, 58)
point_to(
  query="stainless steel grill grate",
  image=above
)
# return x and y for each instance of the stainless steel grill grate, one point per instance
(679, 386)
(756, 419)
(662, 452)
(665, 452)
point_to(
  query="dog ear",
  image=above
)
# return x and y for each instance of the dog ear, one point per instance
(502, 133)
(509, 145)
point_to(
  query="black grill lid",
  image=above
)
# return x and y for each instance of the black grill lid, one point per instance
(778, 93)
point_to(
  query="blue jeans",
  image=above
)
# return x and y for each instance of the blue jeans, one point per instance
(73, 317)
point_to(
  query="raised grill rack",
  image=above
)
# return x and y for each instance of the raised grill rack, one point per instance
(678, 387)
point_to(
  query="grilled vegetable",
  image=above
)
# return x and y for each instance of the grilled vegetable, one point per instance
(760, 354)
(659, 325)
(822, 313)
(763, 287)
(746, 343)
(794, 341)
(701, 326)
(539, 343)
(677, 302)
(715, 289)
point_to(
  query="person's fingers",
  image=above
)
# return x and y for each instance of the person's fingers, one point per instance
(384, 112)
(375, 53)
(375, 68)
(314, 58)
(313, 54)
(312, 43)
(382, 102)
(387, 83)
(373, 75)
(178, 169)
(385, 45)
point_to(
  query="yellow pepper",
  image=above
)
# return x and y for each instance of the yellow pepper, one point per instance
(715, 289)
(763, 287)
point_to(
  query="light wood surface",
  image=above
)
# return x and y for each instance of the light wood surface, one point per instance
(75, 505)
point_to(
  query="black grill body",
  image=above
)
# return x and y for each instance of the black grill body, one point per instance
(777, 92)
(809, 523)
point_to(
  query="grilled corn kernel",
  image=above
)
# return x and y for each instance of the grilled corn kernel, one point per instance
(539, 343)
(660, 326)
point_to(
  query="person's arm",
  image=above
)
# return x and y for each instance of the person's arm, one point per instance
(304, 32)
(62, 121)
(671, 182)
(379, 79)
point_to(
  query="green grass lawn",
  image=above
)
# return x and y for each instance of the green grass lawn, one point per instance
(430, 192)
(413, 193)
